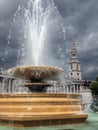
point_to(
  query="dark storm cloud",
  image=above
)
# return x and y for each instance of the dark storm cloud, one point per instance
(8, 53)
(80, 19)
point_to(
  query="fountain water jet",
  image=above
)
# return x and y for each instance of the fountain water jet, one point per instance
(39, 29)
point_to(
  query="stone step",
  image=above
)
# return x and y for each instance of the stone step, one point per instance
(30, 110)
(38, 95)
(40, 109)
(42, 120)
(29, 114)
(40, 103)
(37, 100)
(46, 106)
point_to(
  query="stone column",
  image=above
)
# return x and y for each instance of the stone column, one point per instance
(55, 89)
(74, 88)
(13, 85)
(77, 88)
(64, 89)
(3, 82)
(81, 87)
(70, 89)
(9, 86)
(67, 88)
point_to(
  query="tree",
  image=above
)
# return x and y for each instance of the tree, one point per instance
(97, 78)
(94, 87)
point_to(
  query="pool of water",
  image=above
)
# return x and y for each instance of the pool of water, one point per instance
(90, 124)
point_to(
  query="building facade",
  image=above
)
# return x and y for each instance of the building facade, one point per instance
(74, 82)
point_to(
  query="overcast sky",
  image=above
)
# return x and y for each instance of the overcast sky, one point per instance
(79, 19)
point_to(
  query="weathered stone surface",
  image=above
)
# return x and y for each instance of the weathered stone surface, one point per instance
(28, 110)
(35, 73)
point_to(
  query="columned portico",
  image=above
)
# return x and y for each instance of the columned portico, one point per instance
(7, 83)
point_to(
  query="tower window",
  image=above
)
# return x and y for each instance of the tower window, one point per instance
(71, 73)
(77, 73)
(73, 54)
(77, 67)
(71, 67)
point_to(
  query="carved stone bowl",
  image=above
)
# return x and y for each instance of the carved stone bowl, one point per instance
(35, 73)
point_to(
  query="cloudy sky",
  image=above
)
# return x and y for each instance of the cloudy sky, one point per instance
(79, 18)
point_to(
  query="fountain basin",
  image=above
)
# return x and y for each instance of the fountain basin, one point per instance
(37, 86)
(36, 76)
(35, 72)
(30, 110)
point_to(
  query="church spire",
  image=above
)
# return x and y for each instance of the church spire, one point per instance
(74, 64)
(73, 50)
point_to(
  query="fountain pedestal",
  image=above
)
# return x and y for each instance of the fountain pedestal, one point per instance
(39, 109)
(22, 110)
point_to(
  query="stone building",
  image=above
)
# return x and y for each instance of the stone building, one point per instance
(73, 83)
(10, 84)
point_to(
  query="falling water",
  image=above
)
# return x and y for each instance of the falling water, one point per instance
(39, 32)
(35, 25)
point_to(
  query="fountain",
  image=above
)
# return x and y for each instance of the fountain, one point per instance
(38, 108)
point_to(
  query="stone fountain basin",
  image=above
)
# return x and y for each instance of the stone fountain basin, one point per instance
(35, 72)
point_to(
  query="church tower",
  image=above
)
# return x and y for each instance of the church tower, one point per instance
(74, 64)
